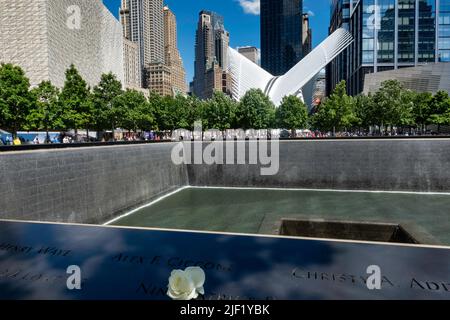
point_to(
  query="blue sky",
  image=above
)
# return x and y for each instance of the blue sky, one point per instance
(241, 20)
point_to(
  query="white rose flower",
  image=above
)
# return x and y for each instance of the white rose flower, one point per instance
(187, 284)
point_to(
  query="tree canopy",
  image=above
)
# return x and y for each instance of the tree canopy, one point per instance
(16, 99)
(337, 111)
(255, 111)
(292, 114)
(76, 101)
(108, 106)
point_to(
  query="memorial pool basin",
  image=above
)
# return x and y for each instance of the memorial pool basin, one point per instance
(260, 211)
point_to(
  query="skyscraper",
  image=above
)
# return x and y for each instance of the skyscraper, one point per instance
(153, 28)
(124, 14)
(389, 35)
(172, 55)
(306, 35)
(211, 58)
(281, 34)
(143, 23)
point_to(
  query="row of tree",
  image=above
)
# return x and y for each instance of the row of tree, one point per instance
(108, 106)
(392, 106)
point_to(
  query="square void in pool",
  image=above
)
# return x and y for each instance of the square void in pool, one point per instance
(425, 216)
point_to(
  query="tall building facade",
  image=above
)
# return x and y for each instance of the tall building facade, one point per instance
(211, 56)
(153, 28)
(389, 35)
(124, 14)
(45, 37)
(159, 79)
(337, 70)
(281, 35)
(306, 35)
(172, 54)
(143, 23)
(132, 65)
(251, 53)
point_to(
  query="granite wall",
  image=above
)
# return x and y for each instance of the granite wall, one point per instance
(400, 165)
(93, 185)
(85, 185)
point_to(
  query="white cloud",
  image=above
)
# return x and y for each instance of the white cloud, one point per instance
(311, 13)
(250, 6)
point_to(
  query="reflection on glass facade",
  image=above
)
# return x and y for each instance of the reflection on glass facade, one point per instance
(444, 31)
(406, 30)
(281, 34)
(388, 34)
(368, 41)
(427, 31)
(340, 18)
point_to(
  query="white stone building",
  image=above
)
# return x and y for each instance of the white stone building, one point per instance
(45, 36)
(132, 65)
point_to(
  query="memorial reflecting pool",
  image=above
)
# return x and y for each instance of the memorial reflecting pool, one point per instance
(261, 210)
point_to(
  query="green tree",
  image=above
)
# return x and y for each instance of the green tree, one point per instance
(75, 98)
(219, 112)
(196, 109)
(15, 98)
(422, 109)
(46, 112)
(292, 114)
(255, 111)
(160, 109)
(394, 105)
(171, 113)
(144, 117)
(180, 112)
(336, 112)
(131, 111)
(103, 95)
(364, 111)
(440, 109)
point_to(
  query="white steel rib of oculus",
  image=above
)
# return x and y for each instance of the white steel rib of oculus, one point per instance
(247, 75)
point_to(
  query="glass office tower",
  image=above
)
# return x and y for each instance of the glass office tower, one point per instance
(339, 18)
(388, 35)
(281, 34)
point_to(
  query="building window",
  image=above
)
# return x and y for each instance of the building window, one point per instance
(386, 33)
(427, 30)
(406, 31)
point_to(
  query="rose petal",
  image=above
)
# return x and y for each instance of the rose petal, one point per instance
(181, 286)
(197, 275)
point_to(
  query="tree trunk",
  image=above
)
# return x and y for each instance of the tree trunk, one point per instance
(112, 134)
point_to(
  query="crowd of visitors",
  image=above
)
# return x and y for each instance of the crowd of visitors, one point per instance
(67, 138)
